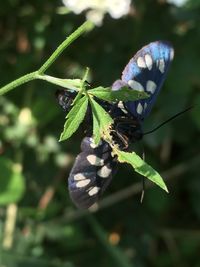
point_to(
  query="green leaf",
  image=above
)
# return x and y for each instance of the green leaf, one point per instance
(96, 128)
(12, 184)
(101, 120)
(82, 87)
(74, 118)
(72, 84)
(142, 167)
(124, 94)
(78, 97)
(85, 76)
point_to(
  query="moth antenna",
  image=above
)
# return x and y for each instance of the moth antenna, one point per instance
(168, 120)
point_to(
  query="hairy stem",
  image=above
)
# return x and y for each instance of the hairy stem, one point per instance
(24, 79)
(83, 28)
(39, 74)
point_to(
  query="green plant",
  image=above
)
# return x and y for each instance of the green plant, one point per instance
(101, 119)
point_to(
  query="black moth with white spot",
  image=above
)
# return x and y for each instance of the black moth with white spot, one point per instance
(95, 166)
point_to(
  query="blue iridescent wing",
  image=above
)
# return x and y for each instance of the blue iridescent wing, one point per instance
(146, 71)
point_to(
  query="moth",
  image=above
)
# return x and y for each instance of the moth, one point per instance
(95, 166)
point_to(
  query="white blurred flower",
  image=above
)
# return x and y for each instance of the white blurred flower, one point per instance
(96, 9)
(25, 117)
(118, 8)
(96, 16)
(77, 6)
(178, 3)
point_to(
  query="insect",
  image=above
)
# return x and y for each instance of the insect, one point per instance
(95, 166)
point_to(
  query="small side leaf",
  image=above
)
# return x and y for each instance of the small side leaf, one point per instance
(74, 118)
(142, 167)
(96, 128)
(72, 84)
(124, 94)
(101, 120)
(82, 88)
(78, 97)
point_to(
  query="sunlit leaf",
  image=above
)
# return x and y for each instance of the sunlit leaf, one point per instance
(101, 120)
(72, 84)
(142, 168)
(124, 94)
(74, 118)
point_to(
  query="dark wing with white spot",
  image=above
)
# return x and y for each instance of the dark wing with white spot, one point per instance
(146, 71)
(92, 172)
(65, 99)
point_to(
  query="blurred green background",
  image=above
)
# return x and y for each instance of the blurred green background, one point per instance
(39, 225)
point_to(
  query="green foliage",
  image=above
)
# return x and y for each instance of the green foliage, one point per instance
(142, 168)
(102, 124)
(123, 94)
(12, 185)
(70, 84)
(74, 118)
(101, 121)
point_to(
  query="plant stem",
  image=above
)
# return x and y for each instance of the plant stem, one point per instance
(83, 28)
(24, 79)
(39, 74)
